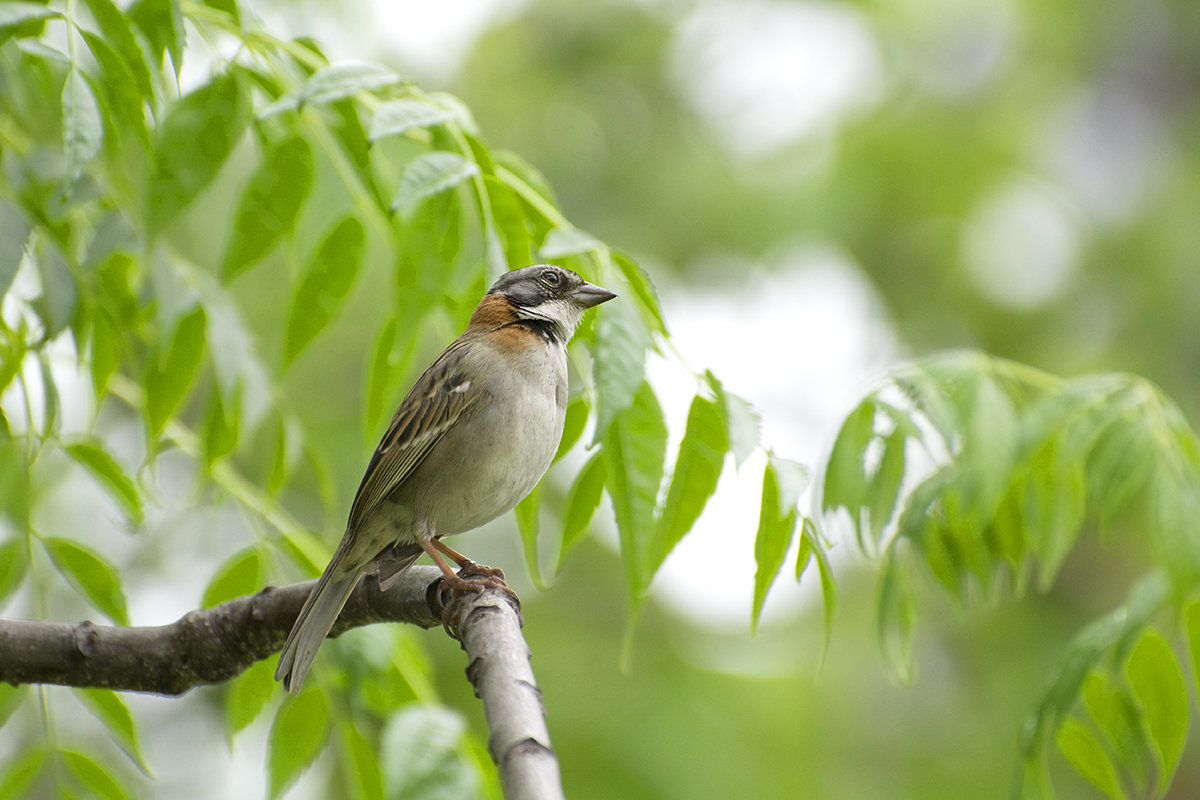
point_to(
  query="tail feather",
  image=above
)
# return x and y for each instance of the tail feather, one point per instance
(313, 624)
(323, 605)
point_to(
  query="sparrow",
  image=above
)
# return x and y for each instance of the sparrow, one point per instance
(472, 438)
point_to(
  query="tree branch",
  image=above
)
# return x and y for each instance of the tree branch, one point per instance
(216, 644)
(488, 625)
(202, 647)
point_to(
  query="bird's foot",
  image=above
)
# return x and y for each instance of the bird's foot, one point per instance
(472, 572)
(473, 578)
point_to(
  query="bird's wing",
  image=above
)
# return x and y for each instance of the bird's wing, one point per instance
(432, 407)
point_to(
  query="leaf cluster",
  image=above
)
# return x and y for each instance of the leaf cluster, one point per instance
(984, 474)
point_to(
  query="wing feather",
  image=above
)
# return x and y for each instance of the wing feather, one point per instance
(431, 408)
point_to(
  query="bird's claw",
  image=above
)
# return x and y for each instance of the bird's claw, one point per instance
(472, 578)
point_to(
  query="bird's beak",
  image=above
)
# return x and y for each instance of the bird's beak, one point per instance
(589, 295)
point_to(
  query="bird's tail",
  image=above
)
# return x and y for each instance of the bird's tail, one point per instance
(314, 621)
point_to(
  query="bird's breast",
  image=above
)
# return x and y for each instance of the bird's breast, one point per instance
(500, 448)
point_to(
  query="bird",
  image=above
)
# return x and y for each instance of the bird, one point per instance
(472, 438)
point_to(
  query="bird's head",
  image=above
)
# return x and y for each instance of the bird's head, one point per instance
(549, 294)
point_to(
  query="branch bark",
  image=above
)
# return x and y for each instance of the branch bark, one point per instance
(202, 647)
(488, 625)
(213, 645)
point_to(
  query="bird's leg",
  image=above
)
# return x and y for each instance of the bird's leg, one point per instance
(467, 567)
(471, 577)
(437, 559)
(452, 554)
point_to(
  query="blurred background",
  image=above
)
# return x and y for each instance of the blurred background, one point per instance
(818, 189)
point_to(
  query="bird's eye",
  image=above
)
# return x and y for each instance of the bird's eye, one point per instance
(551, 277)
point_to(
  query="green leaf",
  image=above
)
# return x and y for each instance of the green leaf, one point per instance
(170, 376)
(11, 698)
(523, 177)
(929, 396)
(297, 737)
(353, 138)
(12, 361)
(333, 83)
(619, 356)
(174, 295)
(248, 695)
(91, 575)
(50, 398)
(697, 470)
(1118, 716)
(845, 473)
(1191, 620)
(230, 7)
(326, 282)
(895, 616)
(1102, 636)
(510, 222)
(241, 377)
(635, 448)
(1119, 462)
(990, 443)
(771, 543)
(91, 454)
(1085, 753)
(162, 23)
(15, 490)
(742, 423)
(98, 781)
(643, 289)
(381, 376)
(14, 564)
(118, 90)
(15, 13)
(106, 350)
(361, 762)
(429, 174)
(573, 425)
(22, 773)
(269, 205)
(582, 500)
(288, 444)
(1157, 682)
(397, 116)
(1055, 502)
(561, 242)
(811, 544)
(1174, 506)
(116, 30)
(83, 130)
(110, 709)
(220, 430)
(419, 754)
(885, 485)
(242, 573)
(14, 232)
(60, 294)
(528, 525)
(195, 138)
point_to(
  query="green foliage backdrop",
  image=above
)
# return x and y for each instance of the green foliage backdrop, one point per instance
(181, 248)
(200, 222)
